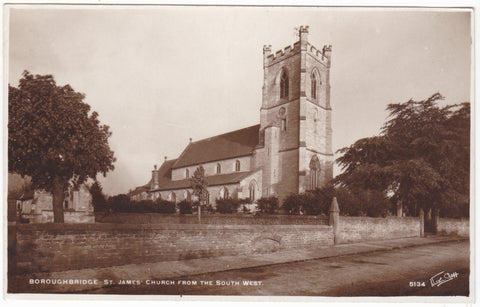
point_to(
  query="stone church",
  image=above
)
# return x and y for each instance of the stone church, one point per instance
(290, 151)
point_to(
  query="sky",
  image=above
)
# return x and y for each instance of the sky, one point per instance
(159, 75)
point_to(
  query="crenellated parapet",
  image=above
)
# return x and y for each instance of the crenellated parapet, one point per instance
(322, 55)
(271, 58)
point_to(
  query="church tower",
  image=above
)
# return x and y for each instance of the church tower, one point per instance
(295, 119)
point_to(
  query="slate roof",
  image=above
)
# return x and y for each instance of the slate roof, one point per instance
(165, 172)
(140, 189)
(214, 180)
(225, 146)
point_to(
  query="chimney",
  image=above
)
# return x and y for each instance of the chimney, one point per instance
(154, 184)
(190, 140)
(165, 158)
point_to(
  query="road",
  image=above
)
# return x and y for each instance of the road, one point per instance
(398, 272)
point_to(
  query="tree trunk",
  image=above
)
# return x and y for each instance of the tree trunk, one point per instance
(57, 200)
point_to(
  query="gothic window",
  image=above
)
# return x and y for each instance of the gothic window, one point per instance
(251, 190)
(172, 197)
(284, 85)
(314, 173)
(314, 86)
(188, 196)
(187, 173)
(219, 168)
(237, 166)
(224, 193)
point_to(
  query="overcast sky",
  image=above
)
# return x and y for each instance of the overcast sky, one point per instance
(159, 75)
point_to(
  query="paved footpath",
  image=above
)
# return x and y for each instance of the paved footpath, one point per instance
(174, 269)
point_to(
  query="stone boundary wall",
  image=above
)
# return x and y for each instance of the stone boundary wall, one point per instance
(360, 229)
(448, 226)
(60, 247)
(217, 219)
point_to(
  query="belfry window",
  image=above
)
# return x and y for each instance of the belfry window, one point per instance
(314, 86)
(187, 173)
(219, 168)
(237, 166)
(284, 85)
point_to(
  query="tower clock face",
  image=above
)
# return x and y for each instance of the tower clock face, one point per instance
(282, 111)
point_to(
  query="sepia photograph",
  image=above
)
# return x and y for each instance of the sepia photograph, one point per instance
(239, 152)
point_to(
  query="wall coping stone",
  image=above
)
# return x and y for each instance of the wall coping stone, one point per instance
(111, 226)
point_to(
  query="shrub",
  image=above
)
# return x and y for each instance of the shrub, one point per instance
(227, 205)
(320, 200)
(119, 203)
(363, 202)
(164, 206)
(295, 203)
(314, 202)
(185, 207)
(268, 205)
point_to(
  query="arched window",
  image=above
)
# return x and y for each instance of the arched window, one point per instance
(219, 168)
(251, 189)
(237, 166)
(187, 173)
(187, 195)
(224, 193)
(284, 85)
(314, 86)
(172, 197)
(314, 173)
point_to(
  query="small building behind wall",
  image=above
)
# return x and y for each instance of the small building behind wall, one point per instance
(77, 206)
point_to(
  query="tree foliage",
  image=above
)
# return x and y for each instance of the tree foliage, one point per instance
(54, 138)
(313, 202)
(99, 200)
(421, 158)
(199, 184)
(268, 205)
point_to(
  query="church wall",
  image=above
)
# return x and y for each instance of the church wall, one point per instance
(289, 174)
(227, 165)
(244, 191)
(180, 194)
(317, 132)
(288, 137)
(326, 168)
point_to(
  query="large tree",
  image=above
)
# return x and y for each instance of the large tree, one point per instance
(421, 158)
(54, 138)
